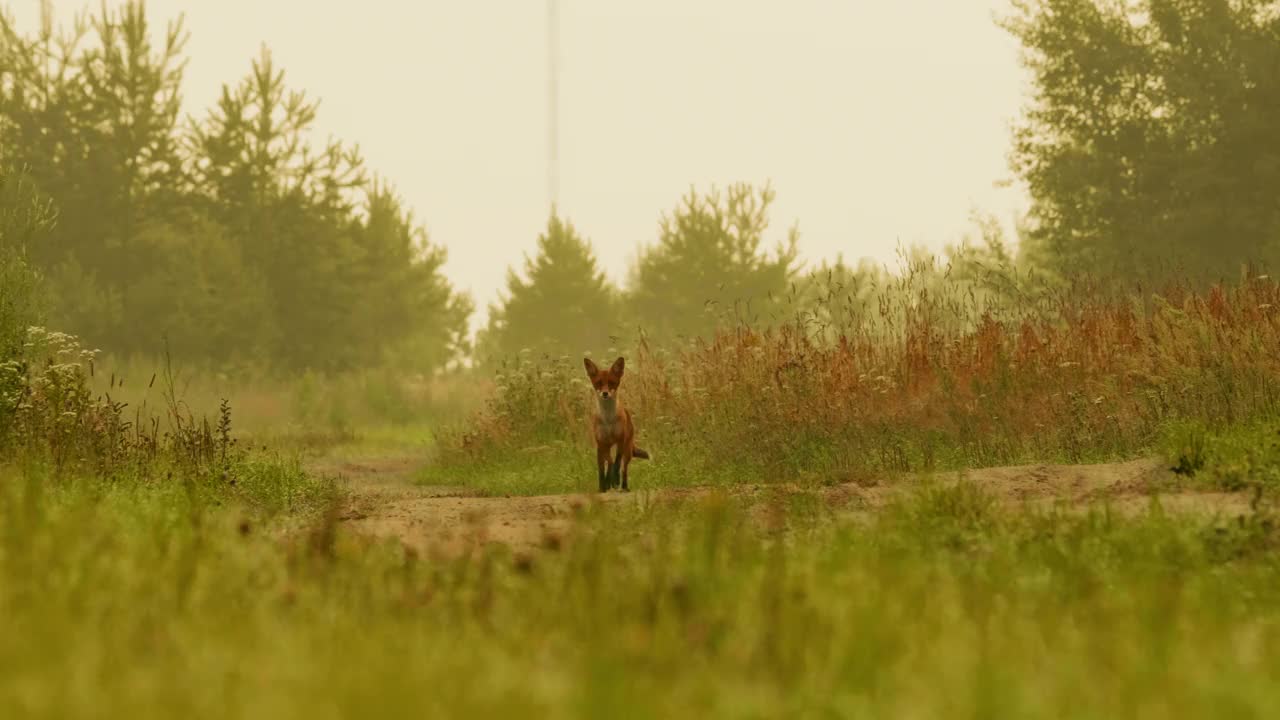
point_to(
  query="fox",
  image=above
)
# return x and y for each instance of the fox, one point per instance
(612, 426)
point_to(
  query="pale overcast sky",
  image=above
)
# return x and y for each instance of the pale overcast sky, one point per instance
(877, 121)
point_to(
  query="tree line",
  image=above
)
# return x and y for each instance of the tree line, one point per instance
(231, 235)
(1148, 147)
(1151, 142)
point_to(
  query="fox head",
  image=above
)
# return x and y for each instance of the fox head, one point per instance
(605, 382)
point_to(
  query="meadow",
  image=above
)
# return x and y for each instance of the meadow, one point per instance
(194, 558)
(1037, 479)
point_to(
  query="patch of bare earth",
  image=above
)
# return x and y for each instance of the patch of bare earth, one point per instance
(383, 502)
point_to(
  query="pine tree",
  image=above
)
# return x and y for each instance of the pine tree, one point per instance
(708, 270)
(289, 208)
(91, 114)
(407, 298)
(563, 305)
(25, 219)
(234, 235)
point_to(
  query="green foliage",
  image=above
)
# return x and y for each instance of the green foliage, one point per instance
(1226, 458)
(563, 305)
(48, 408)
(24, 218)
(708, 269)
(407, 294)
(232, 235)
(1149, 148)
(1187, 441)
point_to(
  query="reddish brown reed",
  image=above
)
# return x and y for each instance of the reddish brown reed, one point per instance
(935, 376)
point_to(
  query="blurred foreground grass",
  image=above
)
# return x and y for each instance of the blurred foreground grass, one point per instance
(145, 600)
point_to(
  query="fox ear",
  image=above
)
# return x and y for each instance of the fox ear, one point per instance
(617, 367)
(591, 367)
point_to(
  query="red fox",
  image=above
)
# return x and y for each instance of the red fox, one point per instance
(611, 425)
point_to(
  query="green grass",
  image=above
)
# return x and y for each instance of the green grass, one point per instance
(134, 600)
(560, 466)
(1230, 458)
(306, 408)
(414, 440)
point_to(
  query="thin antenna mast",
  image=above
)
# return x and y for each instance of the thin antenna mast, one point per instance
(553, 101)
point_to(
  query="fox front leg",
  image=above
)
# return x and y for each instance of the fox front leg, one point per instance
(602, 464)
(615, 470)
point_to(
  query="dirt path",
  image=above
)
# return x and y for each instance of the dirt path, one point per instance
(384, 502)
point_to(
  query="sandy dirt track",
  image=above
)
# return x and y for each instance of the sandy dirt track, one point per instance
(383, 501)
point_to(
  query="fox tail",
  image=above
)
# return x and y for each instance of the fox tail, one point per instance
(640, 453)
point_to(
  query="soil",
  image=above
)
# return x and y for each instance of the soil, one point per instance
(384, 503)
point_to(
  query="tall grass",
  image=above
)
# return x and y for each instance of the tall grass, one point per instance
(116, 604)
(369, 408)
(919, 376)
(55, 430)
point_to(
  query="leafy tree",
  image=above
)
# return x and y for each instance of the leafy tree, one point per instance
(562, 305)
(708, 268)
(1150, 144)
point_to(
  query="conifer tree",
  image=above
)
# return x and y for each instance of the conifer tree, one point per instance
(564, 304)
(708, 268)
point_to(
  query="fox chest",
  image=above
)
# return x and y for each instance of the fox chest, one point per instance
(609, 430)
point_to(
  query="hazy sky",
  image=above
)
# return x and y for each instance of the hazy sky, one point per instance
(877, 121)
